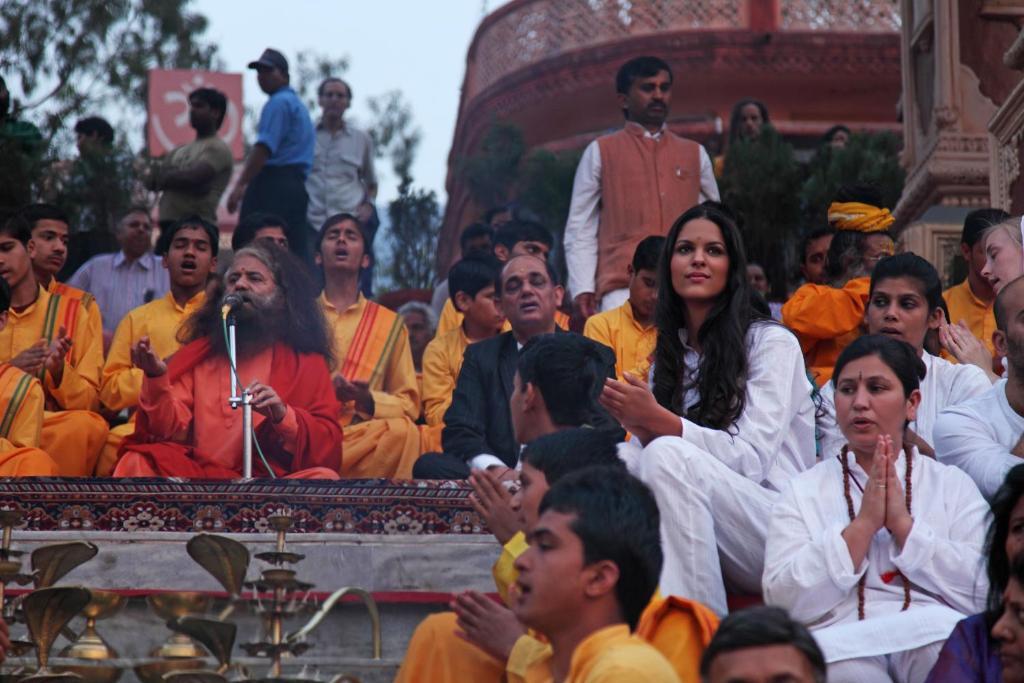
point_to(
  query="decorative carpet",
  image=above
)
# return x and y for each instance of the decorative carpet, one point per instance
(355, 506)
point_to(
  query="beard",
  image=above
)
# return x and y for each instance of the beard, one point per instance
(260, 322)
(1015, 354)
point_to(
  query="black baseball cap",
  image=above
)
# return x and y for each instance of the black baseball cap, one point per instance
(271, 58)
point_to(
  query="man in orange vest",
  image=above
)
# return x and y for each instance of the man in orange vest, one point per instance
(630, 184)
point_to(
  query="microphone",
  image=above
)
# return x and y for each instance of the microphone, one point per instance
(230, 303)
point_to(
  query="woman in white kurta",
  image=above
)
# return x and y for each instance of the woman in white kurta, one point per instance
(729, 420)
(878, 549)
(905, 302)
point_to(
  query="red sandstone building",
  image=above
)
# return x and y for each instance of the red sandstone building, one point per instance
(548, 66)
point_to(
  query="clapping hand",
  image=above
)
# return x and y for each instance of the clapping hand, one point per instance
(354, 391)
(55, 355)
(145, 359)
(961, 343)
(32, 359)
(484, 623)
(493, 502)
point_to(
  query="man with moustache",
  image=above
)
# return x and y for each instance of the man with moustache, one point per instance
(185, 426)
(630, 184)
(478, 430)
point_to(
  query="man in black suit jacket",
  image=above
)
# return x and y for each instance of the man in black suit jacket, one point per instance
(479, 429)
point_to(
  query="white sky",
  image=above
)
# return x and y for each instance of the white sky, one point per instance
(409, 45)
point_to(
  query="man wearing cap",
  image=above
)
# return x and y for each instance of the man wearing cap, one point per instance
(274, 176)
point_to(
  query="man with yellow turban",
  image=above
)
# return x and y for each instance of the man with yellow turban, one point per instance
(825, 318)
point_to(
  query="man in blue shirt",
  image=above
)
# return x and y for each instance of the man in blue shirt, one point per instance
(273, 179)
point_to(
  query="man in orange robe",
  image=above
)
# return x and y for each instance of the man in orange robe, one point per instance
(52, 337)
(184, 425)
(21, 416)
(826, 318)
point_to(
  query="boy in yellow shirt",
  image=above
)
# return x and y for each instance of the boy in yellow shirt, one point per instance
(21, 416)
(629, 330)
(50, 235)
(591, 569)
(471, 288)
(52, 337)
(189, 250)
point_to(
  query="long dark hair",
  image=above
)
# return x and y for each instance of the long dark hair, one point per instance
(737, 115)
(995, 544)
(722, 375)
(303, 327)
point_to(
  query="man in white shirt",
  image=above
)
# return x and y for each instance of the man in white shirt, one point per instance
(983, 437)
(342, 179)
(630, 184)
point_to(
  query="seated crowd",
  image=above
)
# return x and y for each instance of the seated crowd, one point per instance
(841, 457)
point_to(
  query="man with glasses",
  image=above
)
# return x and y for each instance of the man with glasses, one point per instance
(127, 278)
(273, 179)
(480, 430)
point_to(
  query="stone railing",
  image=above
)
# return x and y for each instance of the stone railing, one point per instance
(525, 32)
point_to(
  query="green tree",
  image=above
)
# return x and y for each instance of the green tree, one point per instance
(68, 57)
(414, 218)
(545, 185)
(760, 183)
(867, 159)
(491, 172)
(414, 226)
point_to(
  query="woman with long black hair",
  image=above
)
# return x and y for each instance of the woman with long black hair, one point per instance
(729, 419)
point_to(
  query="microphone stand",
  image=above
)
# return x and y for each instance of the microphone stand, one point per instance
(244, 399)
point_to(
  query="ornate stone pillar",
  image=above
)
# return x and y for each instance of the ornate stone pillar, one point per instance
(945, 117)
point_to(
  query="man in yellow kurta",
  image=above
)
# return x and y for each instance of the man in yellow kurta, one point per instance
(21, 416)
(594, 531)
(51, 337)
(375, 380)
(514, 238)
(471, 285)
(50, 234)
(189, 255)
(971, 301)
(827, 318)
(629, 330)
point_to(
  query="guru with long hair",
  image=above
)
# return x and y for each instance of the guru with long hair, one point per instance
(185, 427)
(730, 419)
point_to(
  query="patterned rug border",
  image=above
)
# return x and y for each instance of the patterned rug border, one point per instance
(361, 506)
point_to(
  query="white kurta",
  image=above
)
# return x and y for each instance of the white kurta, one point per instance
(808, 569)
(978, 435)
(945, 384)
(715, 487)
